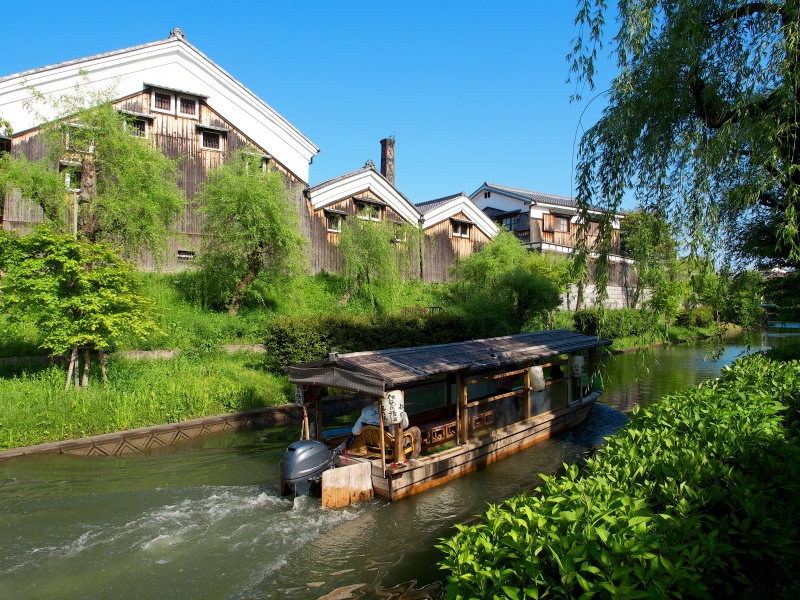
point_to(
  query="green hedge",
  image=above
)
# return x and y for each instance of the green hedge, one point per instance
(697, 497)
(702, 316)
(292, 340)
(612, 324)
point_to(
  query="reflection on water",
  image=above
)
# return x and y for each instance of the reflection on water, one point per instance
(204, 520)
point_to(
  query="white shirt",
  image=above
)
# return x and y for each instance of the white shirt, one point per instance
(370, 416)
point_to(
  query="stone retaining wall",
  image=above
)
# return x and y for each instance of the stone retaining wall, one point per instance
(147, 438)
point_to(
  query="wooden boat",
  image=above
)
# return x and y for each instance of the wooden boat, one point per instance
(474, 402)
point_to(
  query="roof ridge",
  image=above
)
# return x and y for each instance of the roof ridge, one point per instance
(450, 197)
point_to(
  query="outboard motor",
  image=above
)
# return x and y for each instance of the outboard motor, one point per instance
(302, 467)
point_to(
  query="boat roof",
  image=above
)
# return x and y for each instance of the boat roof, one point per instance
(376, 371)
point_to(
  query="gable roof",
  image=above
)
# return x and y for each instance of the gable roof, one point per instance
(430, 205)
(441, 209)
(175, 63)
(530, 197)
(366, 178)
(375, 371)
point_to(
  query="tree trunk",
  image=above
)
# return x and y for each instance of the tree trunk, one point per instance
(73, 358)
(77, 379)
(85, 378)
(103, 366)
(253, 267)
(579, 299)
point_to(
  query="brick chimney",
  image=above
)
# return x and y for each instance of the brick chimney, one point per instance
(387, 159)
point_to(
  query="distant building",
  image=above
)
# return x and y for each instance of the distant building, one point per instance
(451, 226)
(548, 223)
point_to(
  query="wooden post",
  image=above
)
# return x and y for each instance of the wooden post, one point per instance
(591, 369)
(398, 443)
(526, 383)
(383, 441)
(463, 423)
(318, 415)
(448, 394)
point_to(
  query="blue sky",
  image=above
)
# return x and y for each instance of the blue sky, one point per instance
(473, 91)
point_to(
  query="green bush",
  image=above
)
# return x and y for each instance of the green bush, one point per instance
(697, 497)
(702, 316)
(291, 340)
(623, 322)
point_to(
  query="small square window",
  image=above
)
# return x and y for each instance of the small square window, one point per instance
(334, 223)
(487, 194)
(560, 224)
(370, 212)
(185, 255)
(211, 140)
(139, 128)
(461, 230)
(72, 178)
(188, 106)
(162, 101)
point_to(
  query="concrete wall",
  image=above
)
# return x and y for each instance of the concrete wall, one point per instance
(618, 297)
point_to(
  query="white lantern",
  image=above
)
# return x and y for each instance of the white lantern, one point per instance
(393, 406)
(576, 365)
(537, 378)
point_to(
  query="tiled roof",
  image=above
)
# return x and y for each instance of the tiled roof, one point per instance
(535, 196)
(429, 205)
(322, 184)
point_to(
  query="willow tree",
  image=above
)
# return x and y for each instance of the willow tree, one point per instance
(377, 255)
(703, 120)
(251, 227)
(125, 189)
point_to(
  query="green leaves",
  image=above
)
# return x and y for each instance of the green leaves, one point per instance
(251, 227)
(701, 490)
(80, 294)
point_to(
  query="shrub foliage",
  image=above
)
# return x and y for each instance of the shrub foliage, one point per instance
(292, 340)
(697, 497)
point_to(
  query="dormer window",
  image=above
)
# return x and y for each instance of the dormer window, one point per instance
(187, 107)
(369, 210)
(162, 101)
(461, 229)
(211, 140)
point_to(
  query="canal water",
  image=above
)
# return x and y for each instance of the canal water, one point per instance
(204, 520)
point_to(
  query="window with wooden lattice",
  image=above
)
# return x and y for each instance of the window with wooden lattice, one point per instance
(211, 140)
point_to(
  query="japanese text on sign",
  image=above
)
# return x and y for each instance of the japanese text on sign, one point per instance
(393, 406)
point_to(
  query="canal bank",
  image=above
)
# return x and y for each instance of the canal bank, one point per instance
(141, 439)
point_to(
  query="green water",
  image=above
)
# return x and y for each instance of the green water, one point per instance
(204, 520)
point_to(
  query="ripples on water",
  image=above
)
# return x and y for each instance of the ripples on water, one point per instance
(205, 521)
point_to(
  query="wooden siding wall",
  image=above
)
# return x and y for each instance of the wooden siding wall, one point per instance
(565, 238)
(439, 252)
(177, 137)
(442, 250)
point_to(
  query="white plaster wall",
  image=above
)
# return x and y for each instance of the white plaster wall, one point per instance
(174, 64)
(498, 201)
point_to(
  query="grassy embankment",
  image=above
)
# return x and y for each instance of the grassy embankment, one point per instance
(201, 381)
